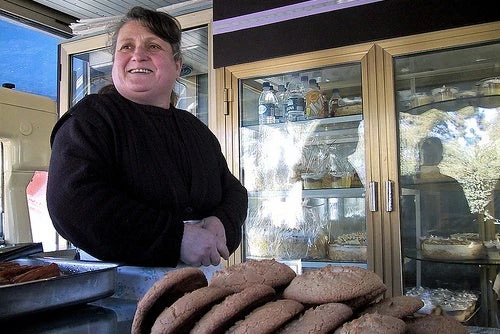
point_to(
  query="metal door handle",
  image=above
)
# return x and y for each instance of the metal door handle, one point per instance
(372, 188)
(388, 195)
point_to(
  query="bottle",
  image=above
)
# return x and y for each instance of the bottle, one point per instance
(315, 105)
(280, 112)
(333, 104)
(267, 104)
(295, 105)
(304, 80)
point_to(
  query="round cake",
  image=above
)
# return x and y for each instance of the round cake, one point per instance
(452, 249)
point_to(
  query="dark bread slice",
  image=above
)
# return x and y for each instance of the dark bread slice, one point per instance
(434, 324)
(397, 306)
(267, 318)
(333, 284)
(243, 275)
(181, 316)
(373, 324)
(164, 293)
(321, 319)
(222, 316)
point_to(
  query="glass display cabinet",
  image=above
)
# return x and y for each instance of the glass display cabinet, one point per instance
(448, 105)
(305, 171)
(409, 168)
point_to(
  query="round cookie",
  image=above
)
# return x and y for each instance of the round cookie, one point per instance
(397, 306)
(181, 316)
(323, 318)
(222, 316)
(367, 299)
(164, 293)
(268, 317)
(373, 324)
(434, 324)
(242, 275)
(332, 284)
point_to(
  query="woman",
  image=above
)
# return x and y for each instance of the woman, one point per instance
(128, 169)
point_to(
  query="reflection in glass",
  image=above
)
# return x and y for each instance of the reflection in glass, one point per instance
(305, 176)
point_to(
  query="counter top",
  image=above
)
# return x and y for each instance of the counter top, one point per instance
(110, 315)
(107, 316)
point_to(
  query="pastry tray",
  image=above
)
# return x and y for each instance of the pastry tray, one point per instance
(81, 282)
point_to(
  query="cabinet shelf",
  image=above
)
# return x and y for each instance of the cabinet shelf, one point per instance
(312, 193)
(490, 101)
(415, 254)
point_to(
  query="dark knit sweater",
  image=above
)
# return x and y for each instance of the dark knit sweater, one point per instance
(124, 176)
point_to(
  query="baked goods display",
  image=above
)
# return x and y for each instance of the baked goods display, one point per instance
(457, 304)
(453, 248)
(351, 247)
(264, 297)
(288, 244)
(13, 272)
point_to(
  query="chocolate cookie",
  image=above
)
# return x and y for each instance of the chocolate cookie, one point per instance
(332, 284)
(222, 316)
(397, 307)
(268, 317)
(181, 316)
(434, 324)
(323, 318)
(164, 293)
(243, 275)
(373, 324)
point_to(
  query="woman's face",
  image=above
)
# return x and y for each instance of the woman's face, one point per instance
(144, 68)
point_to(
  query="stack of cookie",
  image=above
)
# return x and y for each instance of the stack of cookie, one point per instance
(268, 297)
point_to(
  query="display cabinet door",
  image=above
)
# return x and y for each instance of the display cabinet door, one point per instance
(303, 165)
(448, 107)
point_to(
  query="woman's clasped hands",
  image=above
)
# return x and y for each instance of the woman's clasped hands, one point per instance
(204, 243)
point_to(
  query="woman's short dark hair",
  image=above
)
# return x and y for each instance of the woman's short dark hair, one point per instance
(431, 149)
(159, 23)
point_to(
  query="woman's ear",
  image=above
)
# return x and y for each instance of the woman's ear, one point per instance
(179, 67)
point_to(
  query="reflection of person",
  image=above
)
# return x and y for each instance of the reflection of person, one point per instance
(444, 208)
(128, 168)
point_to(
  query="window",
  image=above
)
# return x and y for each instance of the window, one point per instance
(29, 61)
(29, 58)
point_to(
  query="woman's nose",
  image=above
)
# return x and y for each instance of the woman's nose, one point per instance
(140, 53)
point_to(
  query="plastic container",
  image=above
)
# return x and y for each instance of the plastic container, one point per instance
(315, 104)
(280, 112)
(334, 102)
(267, 104)
(295, 106)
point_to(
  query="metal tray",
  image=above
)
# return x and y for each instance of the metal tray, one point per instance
(82, 282)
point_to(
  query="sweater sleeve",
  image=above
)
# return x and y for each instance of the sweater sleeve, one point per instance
(91, 207)
(233, 209)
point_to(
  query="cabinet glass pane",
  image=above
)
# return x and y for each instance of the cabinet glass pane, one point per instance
(91, 70)
(449, 137)
(305, 174)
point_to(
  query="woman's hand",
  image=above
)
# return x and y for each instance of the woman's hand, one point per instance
(214, 225)
(199, 246)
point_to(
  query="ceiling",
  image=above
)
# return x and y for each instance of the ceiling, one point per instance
(85, 12)
(91, 9)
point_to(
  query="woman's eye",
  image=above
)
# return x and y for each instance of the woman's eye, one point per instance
(126, 47)
(154, 47)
